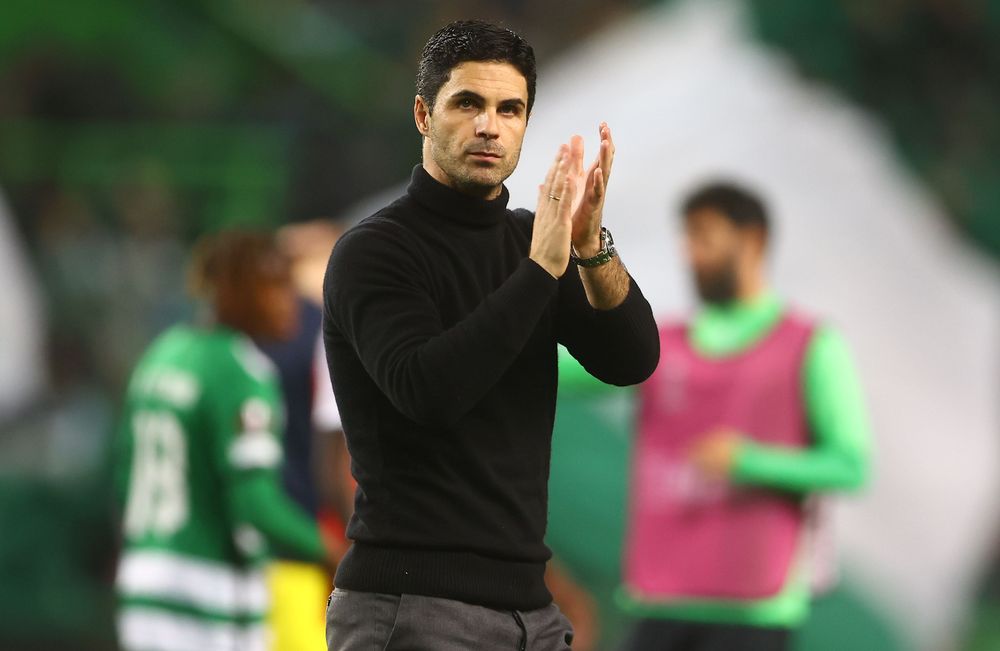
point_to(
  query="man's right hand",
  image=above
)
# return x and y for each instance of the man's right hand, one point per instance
(550, 235)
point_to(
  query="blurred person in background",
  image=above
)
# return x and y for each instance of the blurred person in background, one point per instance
(314, 473)
(199, 459)
(755, 410)
(443, 312)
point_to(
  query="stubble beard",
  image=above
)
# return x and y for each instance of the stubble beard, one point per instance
(466, 175)
(718, 286)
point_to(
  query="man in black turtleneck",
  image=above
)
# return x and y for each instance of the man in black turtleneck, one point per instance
(443, 311)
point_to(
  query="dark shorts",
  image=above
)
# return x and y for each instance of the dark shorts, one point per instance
(674, 635)
(368, 621)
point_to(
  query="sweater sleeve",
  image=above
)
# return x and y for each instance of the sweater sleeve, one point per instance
(619, 346)
(375, 295)
(838, 456)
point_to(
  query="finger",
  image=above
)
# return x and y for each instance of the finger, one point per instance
(555, 163)
(599, 187)
(607, 153)
(550, 176)
(590, 177)
(605, 132)
(547, 190)
(566, 200)
(561, 174)
(576, 147)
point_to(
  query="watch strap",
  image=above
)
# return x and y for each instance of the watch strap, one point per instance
(603, 256)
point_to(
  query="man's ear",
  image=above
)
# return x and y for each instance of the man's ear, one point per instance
(421, 115)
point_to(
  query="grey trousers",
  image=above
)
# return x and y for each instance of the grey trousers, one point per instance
(368, 621)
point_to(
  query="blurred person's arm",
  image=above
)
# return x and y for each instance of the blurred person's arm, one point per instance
(251, 458)
(837, 456)
(839, 452)
(258, 500)
(332, 467)
(333, 474)
(575, 603)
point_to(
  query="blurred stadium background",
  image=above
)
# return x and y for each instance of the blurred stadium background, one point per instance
(128, 127)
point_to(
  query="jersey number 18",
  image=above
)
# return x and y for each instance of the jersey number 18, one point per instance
(158, 493)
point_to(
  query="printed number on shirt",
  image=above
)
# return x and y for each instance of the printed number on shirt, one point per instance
(158, 494)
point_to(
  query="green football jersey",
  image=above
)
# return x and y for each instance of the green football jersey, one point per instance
(201, 412)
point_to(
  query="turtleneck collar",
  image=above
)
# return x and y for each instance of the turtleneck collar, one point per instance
(447, 202)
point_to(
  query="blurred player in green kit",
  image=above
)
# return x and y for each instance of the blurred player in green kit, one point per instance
(198, 462)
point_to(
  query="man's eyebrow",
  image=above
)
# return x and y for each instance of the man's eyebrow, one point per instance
(468, 94)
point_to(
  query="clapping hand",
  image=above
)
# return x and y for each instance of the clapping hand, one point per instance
(550, 235)
(591, 186)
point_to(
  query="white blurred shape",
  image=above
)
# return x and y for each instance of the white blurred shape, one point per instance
(22, 361)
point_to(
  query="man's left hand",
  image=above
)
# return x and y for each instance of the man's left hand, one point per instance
(588, 204)
(715, 454)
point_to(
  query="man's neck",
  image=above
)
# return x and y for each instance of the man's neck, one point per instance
(719, 330)
(752, 288)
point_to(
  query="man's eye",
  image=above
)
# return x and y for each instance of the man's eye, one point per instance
(510, 110)
(465, 103)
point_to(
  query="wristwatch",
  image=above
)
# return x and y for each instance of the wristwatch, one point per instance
(603, 256)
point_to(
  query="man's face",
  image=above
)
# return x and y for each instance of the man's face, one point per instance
(477, 126)
(266, 303)
(716, 249)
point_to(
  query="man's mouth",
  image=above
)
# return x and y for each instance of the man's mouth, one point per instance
(485, 155)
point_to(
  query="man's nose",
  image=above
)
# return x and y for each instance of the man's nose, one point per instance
(487, 125)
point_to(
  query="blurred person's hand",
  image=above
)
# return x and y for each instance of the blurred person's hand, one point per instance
(576, 604)
(715, 454)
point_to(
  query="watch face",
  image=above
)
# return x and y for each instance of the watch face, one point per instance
(608, 240)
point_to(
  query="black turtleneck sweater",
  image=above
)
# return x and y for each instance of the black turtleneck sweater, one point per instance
(441, 339)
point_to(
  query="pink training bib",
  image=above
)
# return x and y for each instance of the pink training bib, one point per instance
(689, 537)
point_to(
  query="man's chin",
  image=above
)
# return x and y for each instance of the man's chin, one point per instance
(716, 294)
(482, 181)
(717, 299)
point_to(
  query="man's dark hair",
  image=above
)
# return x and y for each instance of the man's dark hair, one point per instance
(471, 40)
(741, 206)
